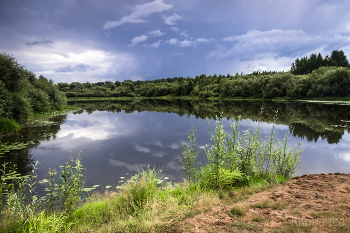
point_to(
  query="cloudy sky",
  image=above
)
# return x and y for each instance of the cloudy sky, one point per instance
(90, 40)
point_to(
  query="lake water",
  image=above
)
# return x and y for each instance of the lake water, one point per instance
(117, 138)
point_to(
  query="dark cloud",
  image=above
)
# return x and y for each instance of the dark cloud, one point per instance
(36, 42)
(68, 36)
(66, 69)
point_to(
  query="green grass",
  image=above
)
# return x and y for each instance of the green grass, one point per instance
(236, 211)
(51, 111)
(145, 203)
(8, 126)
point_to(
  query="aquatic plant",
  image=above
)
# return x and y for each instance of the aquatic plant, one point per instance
(189, 158)
(66, 188)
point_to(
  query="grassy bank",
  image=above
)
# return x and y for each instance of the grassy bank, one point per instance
(238, 166)
(10, 126)
(145, 203)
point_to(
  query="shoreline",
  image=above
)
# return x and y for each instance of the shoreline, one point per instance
(343, 101)
(307, 203)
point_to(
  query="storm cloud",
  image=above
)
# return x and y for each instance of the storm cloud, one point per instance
(132, 39)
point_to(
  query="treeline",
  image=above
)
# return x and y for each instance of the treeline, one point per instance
(315, 77)
(325, 81)
(22, 93)
(307, 65)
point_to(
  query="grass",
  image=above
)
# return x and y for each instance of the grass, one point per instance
(51, 111)
(236, 211)
(258, 218)
(267, 204)
(242, 226)
(145, 203)
(8, 126)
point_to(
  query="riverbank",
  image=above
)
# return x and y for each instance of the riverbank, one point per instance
(309, 203)
(326, 100)
(40, 119)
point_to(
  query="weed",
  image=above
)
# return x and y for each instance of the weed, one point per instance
(297, 202)
(189, 158)
(347, 188)
(296, 211)
(235, 160)
(258, 218)
(241, 226)
(236, 211)
(67, 187)
(267, 204)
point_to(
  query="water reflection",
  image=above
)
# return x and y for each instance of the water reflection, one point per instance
(117, 138)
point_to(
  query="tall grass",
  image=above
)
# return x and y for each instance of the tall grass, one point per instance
(8, 126)
(235, 159)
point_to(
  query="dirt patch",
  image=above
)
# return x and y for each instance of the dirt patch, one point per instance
(309, 203)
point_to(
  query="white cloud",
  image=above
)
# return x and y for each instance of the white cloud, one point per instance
(139, 11)
(156, 44)
(173, 41)
(141, 148)
(175, 29)
(138, 39)
(157, 33)
(289, 43)
(68, 61)
(130, 167)
(174, 146)
(185, 34)
(159, 154)
(203, 40)
(95, 128)
(187, 43)
(174, 165)
(171, 20)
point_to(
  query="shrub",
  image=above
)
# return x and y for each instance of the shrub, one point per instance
(234, 159)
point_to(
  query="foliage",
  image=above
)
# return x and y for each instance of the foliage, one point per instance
(8, 126)
(325, 81)
(189, 158)
(234, 159)
(66, 188)
(22, 93)
(307, 65)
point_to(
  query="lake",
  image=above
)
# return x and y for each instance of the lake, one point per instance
(118, 138)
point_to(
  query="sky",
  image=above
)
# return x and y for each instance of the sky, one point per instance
(109, 40)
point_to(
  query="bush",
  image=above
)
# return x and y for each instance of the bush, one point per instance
(234, 159)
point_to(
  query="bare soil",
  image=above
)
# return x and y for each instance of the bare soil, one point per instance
(309, 203)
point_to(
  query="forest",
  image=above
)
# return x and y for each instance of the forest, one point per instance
(314, 77)
(22, 94)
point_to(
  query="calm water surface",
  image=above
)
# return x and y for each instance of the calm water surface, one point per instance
(117, 138)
